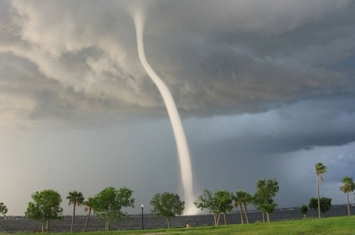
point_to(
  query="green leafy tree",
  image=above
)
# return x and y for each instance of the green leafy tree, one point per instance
(77, 199)
(348, 186)
(263, 197)
(224, 201)
(217, 204)
(207, 201)
(3, 209)
(88, 207)
(320, 170)
(108, 204)
(313, 203)
(269, 208)
(325, 204)
(167, 205)
(45, 207)
(242, 199)
(304, 210)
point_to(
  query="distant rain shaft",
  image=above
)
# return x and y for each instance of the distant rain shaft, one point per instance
(180, 138)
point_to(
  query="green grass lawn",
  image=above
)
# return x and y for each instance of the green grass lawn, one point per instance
(334, 225)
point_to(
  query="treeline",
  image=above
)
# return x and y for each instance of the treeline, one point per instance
(323, 204)
(221, 202)
(108, 204)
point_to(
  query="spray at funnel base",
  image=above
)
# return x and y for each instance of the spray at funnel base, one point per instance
(180, 138)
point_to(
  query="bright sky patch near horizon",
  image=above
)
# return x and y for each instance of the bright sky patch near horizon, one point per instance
(265, 90)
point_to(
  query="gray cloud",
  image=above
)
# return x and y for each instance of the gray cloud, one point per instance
(216, 63)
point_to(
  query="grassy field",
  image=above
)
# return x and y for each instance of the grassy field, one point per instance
(333, 225)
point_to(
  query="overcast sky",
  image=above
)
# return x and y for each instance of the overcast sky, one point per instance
(265, 89)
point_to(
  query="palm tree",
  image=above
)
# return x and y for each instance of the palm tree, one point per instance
(348, 186)
(243, 199)
(89, 205)
(246, 201)
(76, 198)
(238, 202)
(320, 170)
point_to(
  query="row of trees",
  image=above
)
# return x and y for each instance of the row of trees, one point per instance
(107, 205)
(221, 202)
(348, 187)
(325, 204)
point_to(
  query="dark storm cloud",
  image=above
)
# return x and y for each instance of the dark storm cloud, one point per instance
(216, 58)
(326, 121)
